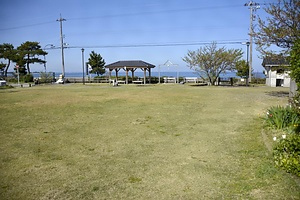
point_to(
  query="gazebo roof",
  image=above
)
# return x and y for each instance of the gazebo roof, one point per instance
(130, 64)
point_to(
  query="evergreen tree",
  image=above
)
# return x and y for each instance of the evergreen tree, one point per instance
(242, 69)
(28, 52)
(97, 63)
(7, 52)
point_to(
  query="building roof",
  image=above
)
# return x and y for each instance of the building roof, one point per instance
(275, 61)
(130, 64)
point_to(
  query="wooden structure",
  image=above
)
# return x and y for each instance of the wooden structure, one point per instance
(130, 65)
(277, 71)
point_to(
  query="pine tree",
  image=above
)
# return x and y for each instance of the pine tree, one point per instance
(28, 52)
(7, 52)
(97, 63)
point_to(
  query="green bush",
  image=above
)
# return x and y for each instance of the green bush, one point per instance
(258, 80)
(295, 102)
(287, 153)
(283, 118)
(27, 78)
(46, 77)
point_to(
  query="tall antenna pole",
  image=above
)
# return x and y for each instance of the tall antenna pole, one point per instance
(60, 20)
(253, 7)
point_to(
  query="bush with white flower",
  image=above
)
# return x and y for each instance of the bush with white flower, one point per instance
(286, 151)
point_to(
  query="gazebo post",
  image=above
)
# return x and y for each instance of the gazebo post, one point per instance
(132, 72)
(149, 75)
(116, 74)
(126, 75)
(145, 75)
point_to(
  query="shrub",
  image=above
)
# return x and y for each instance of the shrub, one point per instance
(295, 102)
(46, 77)
(258, 80)
(27, 78)
(287, 153)
(283, 118)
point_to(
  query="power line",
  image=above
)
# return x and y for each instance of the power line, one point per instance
(128, 14)
(152, 45)
(26, 26)
(155, 12)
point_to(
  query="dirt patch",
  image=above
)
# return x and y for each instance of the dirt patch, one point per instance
(278, 93)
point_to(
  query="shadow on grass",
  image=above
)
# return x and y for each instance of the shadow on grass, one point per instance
(7, 89)
(278, 93)
(144, 85)
(198, 85)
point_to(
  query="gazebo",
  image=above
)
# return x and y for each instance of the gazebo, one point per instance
(130, 65)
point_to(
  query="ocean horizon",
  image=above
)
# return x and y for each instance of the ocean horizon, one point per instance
(140, 74)
(156, 74)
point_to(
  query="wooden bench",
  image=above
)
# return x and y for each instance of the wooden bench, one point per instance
(140, 82)
(191, 79)
(169, 80)
(228, 81)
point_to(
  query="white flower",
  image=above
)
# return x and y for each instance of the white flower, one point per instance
(274, 138)
(283, 136)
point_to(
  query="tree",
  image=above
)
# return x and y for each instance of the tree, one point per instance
(21, 69)
(29, 52)
(295, 63)
(7, 52)
(281, 28)
(211, 61)
(18, 58)
(97, 63)
(2, 67)
(242, 69)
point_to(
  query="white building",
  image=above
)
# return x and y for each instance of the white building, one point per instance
(277, 72)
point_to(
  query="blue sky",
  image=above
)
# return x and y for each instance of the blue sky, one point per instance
(94, 24)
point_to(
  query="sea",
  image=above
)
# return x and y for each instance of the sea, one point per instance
(155, 74)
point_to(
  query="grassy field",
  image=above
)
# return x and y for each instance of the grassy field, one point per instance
(138, 142)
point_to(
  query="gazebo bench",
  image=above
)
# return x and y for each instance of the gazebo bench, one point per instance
(140, 82)
(121, 82)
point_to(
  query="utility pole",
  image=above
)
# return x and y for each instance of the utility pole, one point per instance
(60, 20)
(253, 7)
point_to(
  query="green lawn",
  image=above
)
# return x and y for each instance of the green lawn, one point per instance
(138, 142)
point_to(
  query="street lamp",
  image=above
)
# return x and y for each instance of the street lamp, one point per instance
(249, 73)
(51, 46)
(83, 82)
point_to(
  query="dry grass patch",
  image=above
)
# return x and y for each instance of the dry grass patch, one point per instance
(129, 142)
